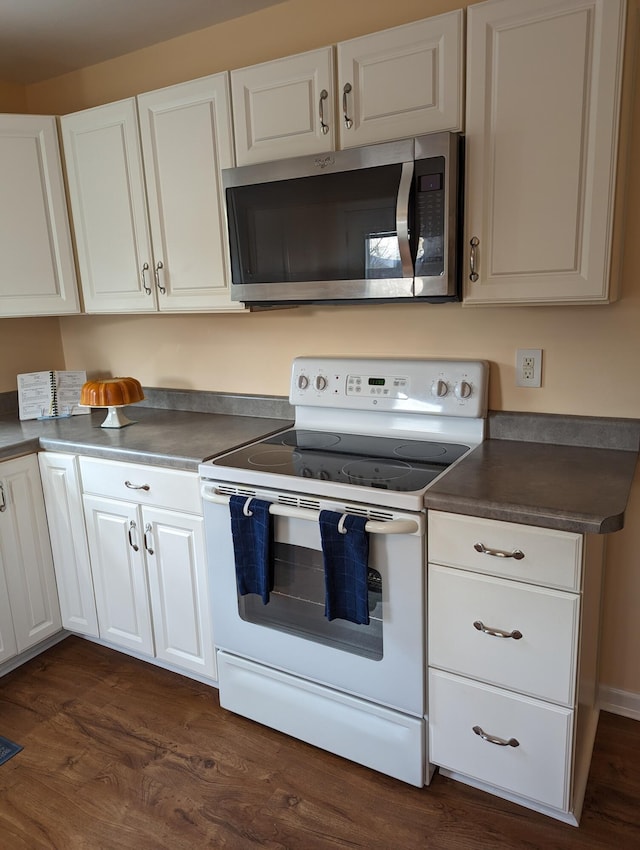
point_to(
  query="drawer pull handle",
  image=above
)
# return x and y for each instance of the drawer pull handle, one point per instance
(480, 626)
(148, 536)
(136, 486)
(517, 554)
(491, 739)
(132, 528)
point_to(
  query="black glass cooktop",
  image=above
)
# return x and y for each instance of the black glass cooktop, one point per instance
(388, 463)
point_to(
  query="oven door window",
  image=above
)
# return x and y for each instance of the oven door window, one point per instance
(327, 227)
(296, 604)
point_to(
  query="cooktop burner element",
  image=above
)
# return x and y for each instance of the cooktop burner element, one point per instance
(376, 431)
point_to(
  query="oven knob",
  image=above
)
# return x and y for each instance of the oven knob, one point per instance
(321, 382)
(439, 388)
(303, 382)
(463, 389)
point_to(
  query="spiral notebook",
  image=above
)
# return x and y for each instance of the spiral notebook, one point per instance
(50, 395)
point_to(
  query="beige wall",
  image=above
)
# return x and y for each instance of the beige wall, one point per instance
(13, 98)
(28, 345)
(591, 354)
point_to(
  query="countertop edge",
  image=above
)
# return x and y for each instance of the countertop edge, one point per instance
(527, 515)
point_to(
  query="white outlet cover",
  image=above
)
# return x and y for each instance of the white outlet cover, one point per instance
(529, 367)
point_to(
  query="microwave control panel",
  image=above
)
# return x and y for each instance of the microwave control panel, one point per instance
(429, 386)
(430, 216)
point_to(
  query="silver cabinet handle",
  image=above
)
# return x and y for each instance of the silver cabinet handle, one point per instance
(3, 500)
(136, 486)
(147, 535)
(348, 123)
(491, 739)
(156, 272)
(143, 275)
(517, 554)
(473, 274)
(132, 528)
(324, 94)
(480, 626)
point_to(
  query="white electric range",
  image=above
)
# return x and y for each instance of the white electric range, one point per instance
(370, 437)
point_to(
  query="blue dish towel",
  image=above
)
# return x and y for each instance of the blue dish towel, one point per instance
(346, 558)
(252, 546)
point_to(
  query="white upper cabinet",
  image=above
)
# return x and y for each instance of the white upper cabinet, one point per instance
(38, 272)
(543, 94)
(402, 82)
(392, 84)
(166, 147)
(284, 108)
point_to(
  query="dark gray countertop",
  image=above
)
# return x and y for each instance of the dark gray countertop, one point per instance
(565, 472)
(572, 488)
(171, 438)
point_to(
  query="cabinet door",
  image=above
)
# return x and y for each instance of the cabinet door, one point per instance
(116, 549)
(402, 82)
(25, 552)
(174, 549)
(284, 108)
(187, 140)
(8, 647)
(63, 501)
(108, 202)
(541, 140)
(38, 271)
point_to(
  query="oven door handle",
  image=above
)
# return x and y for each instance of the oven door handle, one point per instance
(393, 526)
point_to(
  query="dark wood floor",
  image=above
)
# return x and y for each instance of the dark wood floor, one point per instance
(120, 755)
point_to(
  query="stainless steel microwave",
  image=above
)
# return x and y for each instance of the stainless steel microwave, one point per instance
(378, 223)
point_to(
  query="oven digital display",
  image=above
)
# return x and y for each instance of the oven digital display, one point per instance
(377, 382)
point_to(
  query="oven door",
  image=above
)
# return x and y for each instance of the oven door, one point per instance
(381, 662)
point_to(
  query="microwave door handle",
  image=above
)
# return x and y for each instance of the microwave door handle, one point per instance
(402, 218)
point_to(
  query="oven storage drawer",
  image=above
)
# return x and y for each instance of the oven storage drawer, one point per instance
(551, 558)
(175, 489)
(538, 768)
(464, 607)
(384, 740)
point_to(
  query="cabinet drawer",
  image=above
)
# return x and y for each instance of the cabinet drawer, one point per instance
(541, 663)
(551, 558)
(146, 485)
(538, 768)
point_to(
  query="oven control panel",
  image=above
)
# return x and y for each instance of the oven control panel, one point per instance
(433, 386)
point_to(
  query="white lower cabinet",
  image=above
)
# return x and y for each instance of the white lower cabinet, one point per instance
(63, 499)
(29, 610)
(146, 544)
(513, 626)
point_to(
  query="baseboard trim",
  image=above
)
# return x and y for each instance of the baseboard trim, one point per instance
(617, 701)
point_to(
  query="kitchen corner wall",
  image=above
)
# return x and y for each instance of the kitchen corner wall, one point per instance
(591, 354)
(28, 345)
(13, 98)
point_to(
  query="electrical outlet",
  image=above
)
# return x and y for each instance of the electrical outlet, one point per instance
(529, 367)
